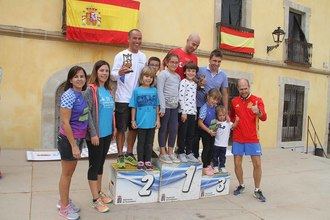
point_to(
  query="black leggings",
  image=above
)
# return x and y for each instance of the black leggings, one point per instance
(196, 137)
(145, 143)
(97, 155)
(186, 132)
(208, 142)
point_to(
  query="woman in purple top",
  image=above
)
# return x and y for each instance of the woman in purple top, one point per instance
(73, 129)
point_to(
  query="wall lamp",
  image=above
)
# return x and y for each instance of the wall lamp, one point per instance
(278, 36)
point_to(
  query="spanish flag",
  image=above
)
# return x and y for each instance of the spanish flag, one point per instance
(236, 40)
(101, 21)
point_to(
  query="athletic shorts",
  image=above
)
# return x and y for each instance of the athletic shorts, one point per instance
(64, 147)
(123, 116)
(253, 149)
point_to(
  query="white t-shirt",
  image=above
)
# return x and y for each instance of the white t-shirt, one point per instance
(126, 86)
(223, 132)
(187, 97)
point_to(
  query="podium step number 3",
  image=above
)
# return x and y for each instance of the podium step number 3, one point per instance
(215, 185)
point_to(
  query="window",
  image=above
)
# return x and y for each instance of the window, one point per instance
(233, 17)
(296, 25)
(298, 48)
(293, 111)
(231, 12)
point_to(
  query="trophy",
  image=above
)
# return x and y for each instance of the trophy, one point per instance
(127, 62)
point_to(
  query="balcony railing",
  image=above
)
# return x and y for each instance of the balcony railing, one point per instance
(299, 52)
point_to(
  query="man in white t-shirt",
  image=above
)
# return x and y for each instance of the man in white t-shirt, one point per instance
(127, 66)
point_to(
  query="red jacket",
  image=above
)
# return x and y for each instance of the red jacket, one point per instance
(248, 126)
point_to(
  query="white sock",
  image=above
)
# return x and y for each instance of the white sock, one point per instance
(256, 189)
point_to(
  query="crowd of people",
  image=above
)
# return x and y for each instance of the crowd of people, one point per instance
(186, 103)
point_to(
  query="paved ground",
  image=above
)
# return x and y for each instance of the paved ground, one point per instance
(296, 185)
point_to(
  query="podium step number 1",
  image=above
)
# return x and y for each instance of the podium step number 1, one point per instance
(179, 181)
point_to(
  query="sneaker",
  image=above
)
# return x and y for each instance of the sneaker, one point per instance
(73, 206)
(105, 199)
(100, 206)
(182, 158)
(148, 165)
(174, 158)
(192, 158)
(258, 195)
(121, 162)
(130, 159)
(68, 213)
(239, 190)
(216, 170)
(223, 170)
(140, 165)
(165, 158)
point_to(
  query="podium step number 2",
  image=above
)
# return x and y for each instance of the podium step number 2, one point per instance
(149, 181)
(134, 186)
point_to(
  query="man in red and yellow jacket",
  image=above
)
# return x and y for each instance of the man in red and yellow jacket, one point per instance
(249, 109)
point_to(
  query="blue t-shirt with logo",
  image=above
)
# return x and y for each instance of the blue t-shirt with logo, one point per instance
(207, 113)
(145, 101)
(106, 107)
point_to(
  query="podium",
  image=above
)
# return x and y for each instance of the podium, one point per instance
(180, 181)
(128, 186)
(215, 185)
(166, 183)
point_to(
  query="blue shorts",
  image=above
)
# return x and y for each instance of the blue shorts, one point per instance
(253, 149)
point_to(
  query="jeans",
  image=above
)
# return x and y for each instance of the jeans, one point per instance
(219, 156)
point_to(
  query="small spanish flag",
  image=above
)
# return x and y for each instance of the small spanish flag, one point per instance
(101, 21)
(235, 40)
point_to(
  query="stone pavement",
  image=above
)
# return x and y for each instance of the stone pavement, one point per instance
(296, 185)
